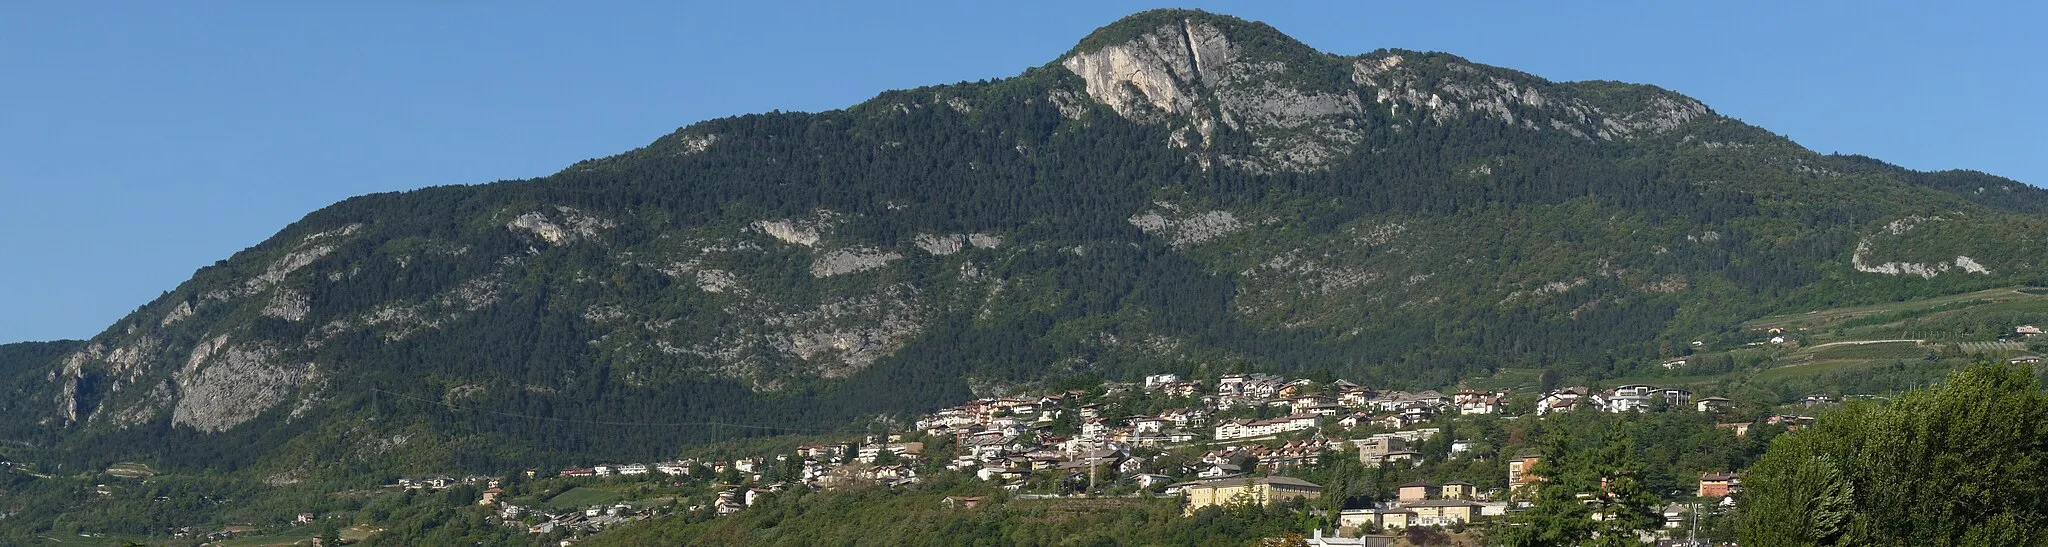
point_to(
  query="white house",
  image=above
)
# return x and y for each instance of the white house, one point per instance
(1158, 381)
(1148, 425)
(1641, 397)
(1630, 398)
(1219, 471)
(1094, 428)
(1477, 402)
(1565, 399)
(1148, 480)
(1186, 417)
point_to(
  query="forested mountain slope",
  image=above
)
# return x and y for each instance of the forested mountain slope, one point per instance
(1182, 191)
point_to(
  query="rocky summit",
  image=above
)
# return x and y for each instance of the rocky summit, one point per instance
(1181, 190)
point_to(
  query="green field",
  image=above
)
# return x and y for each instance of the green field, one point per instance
(1861, 348)
(1953, 318)
(1513, 379)
(131, 470)
(1865, 352)
(1992, 347)
(2025, 298)
(105, 539)
(302, 535)
(582, 497)
(1808, 369)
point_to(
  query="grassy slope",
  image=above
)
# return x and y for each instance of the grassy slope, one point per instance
(1842, 341)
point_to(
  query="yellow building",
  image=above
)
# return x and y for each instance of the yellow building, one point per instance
(1254, 490)
(1351, 521)
(1458, 490)
(1522, 473)
(1415, 491)
(1442, 512)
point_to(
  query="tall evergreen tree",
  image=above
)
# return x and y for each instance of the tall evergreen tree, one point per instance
(1965, 463)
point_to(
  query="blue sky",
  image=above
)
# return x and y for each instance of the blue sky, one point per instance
(140, 142)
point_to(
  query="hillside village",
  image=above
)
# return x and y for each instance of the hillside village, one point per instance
(1231, 440)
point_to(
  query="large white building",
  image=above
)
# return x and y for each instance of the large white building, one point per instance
(1157, 381)
(1244, 429)
(1641, 397)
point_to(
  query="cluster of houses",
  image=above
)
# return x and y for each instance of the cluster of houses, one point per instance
(1011, 440)
(589, 520)
(444, 481)
(1242, 449)
(1627, 398)
(886, 460)
(1419, 503)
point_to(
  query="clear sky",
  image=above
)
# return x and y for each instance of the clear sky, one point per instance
(140, 142)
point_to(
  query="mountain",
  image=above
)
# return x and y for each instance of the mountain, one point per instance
(1182, 191)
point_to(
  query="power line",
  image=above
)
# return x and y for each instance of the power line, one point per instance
(452, 406)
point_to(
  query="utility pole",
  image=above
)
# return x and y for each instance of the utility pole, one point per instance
(1092, 457)
(1692, 534)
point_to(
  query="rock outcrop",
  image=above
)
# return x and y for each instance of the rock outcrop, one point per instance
(850, 260)
(1191, 75)
(1182, 230)
(224, 387)
(565, 226)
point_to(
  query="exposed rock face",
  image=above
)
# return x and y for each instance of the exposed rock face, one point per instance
(1860, 258)
(148, 408)
(789, 232)
(572, 225)
(201, 352)
(1192, 77)
(1184, 230)
(947, 244)
(311, 249)
(290, 263)
(68, 404)
(941, 245)
(275, 273)
(985, 241)
(698, 143)
(601, 314)
(842, 337)
(1169, 76)
(234, 385)
(474, 294)
(1302, 273)
(1515, 99)
(717, 281)
(850, 260)
(1155, 73)
(806, 232)
(179, 313)
(98, 363)
(1924, 270)
(1071, 105)
(289, 305)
